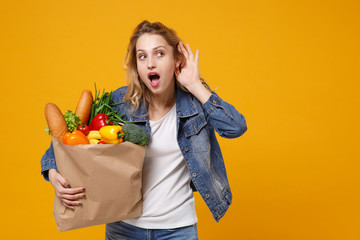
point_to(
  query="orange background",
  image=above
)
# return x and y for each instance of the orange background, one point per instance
(292, 68)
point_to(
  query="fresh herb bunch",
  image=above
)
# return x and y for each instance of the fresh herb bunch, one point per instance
(72, 120)
(105, 105)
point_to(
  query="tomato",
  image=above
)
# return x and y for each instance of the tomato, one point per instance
(84, 129)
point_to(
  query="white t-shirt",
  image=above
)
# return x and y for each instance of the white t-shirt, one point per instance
(168, 200)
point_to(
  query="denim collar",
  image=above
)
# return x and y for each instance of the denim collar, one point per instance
(184, 107)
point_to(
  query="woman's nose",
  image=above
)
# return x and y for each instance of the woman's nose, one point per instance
(151, 63)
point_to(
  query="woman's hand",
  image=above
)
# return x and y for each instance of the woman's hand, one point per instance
(69, 196)
(189, 76)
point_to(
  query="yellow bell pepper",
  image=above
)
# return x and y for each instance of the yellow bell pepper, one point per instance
(112, 134)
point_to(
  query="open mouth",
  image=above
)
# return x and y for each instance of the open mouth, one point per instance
(154, 78)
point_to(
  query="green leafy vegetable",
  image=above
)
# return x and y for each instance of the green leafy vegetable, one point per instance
(72, 120)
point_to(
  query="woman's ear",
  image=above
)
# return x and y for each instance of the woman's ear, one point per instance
(177, 67)
(179, 59)
(177, 63)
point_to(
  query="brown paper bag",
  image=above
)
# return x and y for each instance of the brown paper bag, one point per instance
(112, 177)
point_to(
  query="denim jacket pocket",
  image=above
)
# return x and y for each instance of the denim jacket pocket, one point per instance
(196, 130)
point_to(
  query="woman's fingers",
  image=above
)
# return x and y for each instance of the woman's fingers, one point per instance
(69, 196)
(197, 56)
(188, 52)
(191, 55)
(72, 203)
(183, 50)
(74, 197)
(77, 192)
(64, 186)
(56, 179)
(73, 191)
(62, 181)
(68, 206)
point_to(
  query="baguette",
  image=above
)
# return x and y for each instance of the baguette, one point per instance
(83, 107)
(55, 121)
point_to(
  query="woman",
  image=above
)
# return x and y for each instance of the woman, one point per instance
(166, 97)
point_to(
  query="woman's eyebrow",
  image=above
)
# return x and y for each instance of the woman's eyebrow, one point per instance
(152, 49)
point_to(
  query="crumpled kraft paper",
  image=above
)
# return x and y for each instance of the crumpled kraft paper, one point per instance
(112, 176)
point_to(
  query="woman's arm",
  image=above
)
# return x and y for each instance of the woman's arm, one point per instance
(222, 116)
(48, 162)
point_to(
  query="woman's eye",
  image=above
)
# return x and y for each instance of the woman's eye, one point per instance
(159, 53)
(141, 56)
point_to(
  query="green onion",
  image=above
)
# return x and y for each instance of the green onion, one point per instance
(105, 105)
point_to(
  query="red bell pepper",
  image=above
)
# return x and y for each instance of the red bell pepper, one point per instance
(99, 121)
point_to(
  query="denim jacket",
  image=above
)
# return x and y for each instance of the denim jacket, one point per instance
(196, 123)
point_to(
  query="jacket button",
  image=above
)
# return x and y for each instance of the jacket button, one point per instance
(207, 196)
(186, 149)
(194, 174)
(214, 101)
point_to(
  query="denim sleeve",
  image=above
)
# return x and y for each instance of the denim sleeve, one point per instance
(224, 118)
(48, 162)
